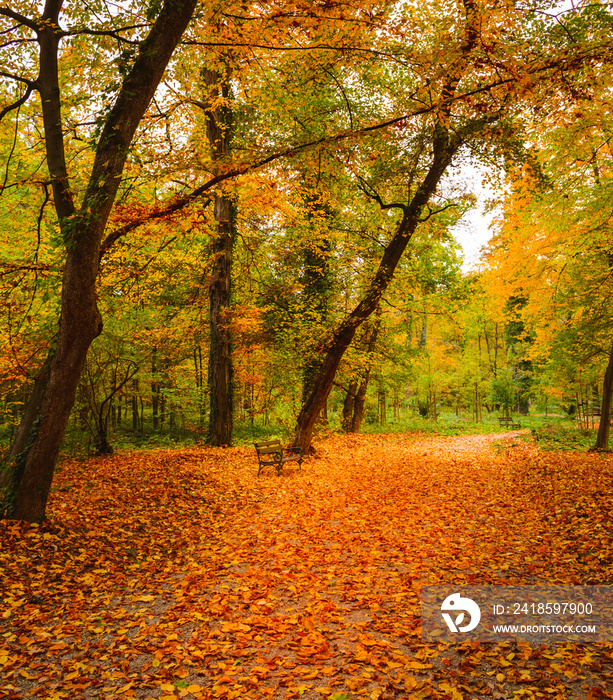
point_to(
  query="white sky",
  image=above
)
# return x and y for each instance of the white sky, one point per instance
(472, 232)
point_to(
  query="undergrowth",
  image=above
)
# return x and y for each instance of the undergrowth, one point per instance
(565, 436)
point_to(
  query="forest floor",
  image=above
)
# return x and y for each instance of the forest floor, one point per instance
(180, 573)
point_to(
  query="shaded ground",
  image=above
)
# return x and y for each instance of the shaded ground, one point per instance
(180, 574)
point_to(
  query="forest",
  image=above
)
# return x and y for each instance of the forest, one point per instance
(223, 221)
(234, 221)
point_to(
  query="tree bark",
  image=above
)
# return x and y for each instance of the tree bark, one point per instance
(220, 350)
(358, 407)
(219, 129)
(360, 399)
(28, 470)
(602, 439)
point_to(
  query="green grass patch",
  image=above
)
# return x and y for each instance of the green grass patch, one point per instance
(563, 436)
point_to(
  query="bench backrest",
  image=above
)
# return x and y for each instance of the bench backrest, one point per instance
(268, 446)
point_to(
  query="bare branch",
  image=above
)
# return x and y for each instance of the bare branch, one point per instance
(8, 160)
(113, 33)
(18, 103)
(340, 87)
(434, 212)
(18, 78)
(372, 193)
(129, 374)
(17, 41)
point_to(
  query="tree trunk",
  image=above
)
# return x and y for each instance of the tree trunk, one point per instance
(348, 406)
(27, 474)
(423, 338)
(602, 439)
(219, 128)
(220, 351)
(444, 149)
(360, 401)
(382, 397)
(155, 391)
(135, 405)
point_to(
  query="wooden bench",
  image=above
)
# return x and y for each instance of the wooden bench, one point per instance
(508, 423)
(272, 453)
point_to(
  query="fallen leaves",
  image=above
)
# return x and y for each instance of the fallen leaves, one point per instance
(182, 575)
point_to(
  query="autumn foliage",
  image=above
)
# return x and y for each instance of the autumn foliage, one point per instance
(181, 574)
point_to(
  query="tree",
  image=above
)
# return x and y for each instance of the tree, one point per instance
(602, 439)
(219, 132)
(355, 398)
(550, 262)
(428, 150)
(28, 470)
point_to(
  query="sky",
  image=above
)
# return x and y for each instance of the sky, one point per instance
(472, 232)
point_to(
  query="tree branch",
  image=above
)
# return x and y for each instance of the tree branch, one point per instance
(48, 86)
(449, 97)
(31, 86)
(135, 95)
(371, 193)
(434, 212)
(113, 33)
(22, 19)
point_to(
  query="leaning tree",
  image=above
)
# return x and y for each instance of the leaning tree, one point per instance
(28, 470)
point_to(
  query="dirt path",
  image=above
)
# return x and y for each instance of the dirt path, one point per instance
(181, 574)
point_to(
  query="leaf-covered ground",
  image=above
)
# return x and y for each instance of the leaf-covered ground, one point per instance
(181, 574)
